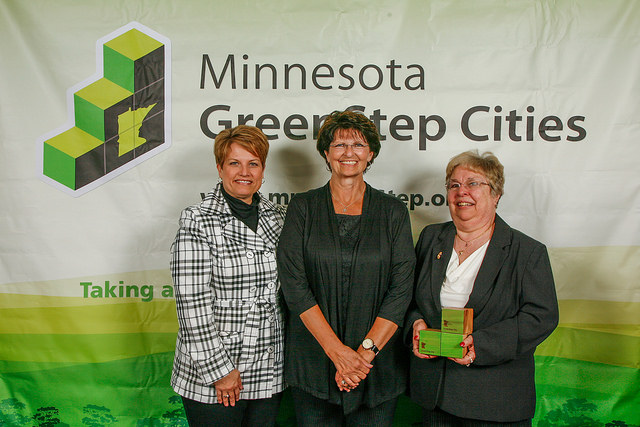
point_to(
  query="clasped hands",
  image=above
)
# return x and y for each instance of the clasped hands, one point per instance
(351, 366)
(467, 360)
(228, 388)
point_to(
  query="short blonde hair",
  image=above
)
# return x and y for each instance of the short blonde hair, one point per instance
(250, 138)
(485, 163)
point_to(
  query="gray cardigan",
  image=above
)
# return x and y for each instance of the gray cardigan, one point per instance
(309, 263)
(515, 309)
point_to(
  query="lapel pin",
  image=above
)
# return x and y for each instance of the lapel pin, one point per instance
(439, 255)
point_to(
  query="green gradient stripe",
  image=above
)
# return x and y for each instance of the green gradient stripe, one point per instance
(570, 343)
(592, 346)
(123, 317)
(61, 348)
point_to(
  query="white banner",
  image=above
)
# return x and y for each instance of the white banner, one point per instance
(550, 87)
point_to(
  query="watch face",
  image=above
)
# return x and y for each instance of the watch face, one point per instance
(367, 343)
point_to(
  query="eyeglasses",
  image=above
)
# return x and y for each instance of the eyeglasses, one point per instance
(469, 185)
(357, 147)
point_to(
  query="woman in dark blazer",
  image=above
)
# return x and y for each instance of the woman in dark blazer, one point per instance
(346, 264)
(478, 261)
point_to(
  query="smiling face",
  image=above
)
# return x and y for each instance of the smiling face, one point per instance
(348, 161)
(471, 207)
(241, 173)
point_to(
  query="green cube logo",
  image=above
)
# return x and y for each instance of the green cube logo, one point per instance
(120, 116)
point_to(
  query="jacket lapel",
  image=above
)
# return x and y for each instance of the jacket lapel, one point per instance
(497, 253)
(269, 227)
(326, 213)
(235, 230)
(442, 250)
(367, 221)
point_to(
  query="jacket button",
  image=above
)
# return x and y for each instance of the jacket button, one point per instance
(253, 289)
(268, 254)
(271, 285)
(250, 254)
(272, 318)
(270, 349)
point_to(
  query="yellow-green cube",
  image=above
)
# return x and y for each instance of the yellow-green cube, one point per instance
(450, 345)
(457, 320)
(429, 342)
(73, 158)
(98, 107)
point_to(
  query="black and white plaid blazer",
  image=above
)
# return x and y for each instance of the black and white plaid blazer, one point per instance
(226, 289)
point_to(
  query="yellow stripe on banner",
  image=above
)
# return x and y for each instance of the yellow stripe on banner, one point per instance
(592, 346)
(39, 301)
(590, 312)
(631, 330)
(126, 317)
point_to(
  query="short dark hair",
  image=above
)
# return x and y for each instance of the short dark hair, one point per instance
(348, 120)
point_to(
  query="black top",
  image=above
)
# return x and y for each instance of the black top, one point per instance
(514, 309)
(310, 265)
(246, 213)
(349, 230)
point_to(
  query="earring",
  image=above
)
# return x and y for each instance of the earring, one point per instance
(263, 180)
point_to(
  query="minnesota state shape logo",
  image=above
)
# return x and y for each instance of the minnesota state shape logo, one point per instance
(118, 118)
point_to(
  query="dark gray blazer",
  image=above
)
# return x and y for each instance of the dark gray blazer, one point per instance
(515, 309)
(381, 281)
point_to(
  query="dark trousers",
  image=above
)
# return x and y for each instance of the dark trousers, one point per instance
(314, 412)
(246, 413)
(440, 418)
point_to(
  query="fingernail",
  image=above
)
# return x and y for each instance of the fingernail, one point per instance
(462, 344)
(416, 337)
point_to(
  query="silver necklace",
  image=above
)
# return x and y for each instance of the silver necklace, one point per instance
(344, 207)
(467, 243)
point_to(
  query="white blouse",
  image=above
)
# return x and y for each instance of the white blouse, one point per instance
(458, 282)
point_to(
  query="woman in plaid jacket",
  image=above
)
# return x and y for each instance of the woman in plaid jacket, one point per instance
(229, 356)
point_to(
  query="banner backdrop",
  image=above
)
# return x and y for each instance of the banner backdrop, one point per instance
(107, 114)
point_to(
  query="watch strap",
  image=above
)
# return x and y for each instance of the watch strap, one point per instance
(375, 349)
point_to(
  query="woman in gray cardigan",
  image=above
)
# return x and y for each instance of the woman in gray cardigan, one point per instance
(346, 264)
